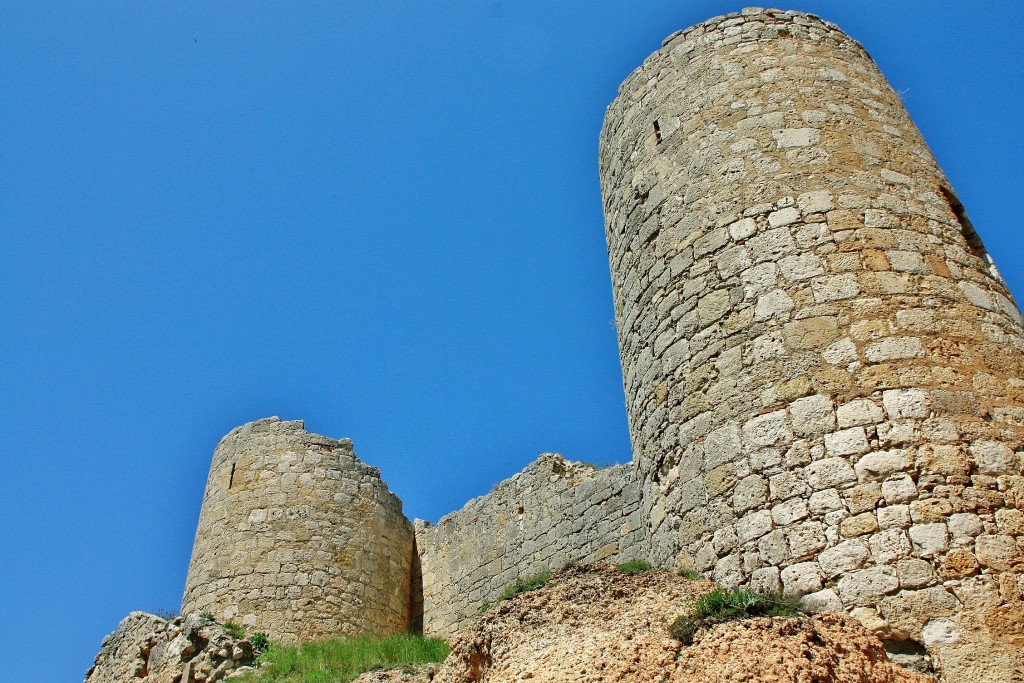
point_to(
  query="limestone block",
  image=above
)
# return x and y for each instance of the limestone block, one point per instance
(894, 516)
(776, 303)
(830, 472)
(771, 245)
(929, 539)
(750, 492)
(898, 488)
(1010, 521)
(858, 525)
(811, 333)
(866, 587)
(812, 415)
(835, 287)
(766, 579)
(930, 510)
(894, 348)
(860, 411)
(993, 457)
(862, 497)
(742, 229)
(842, 352)
(722, 445)
(806, 539)
(822, 601)
(790, 511)
(914, 573)
(881, 464)
(754, 525)
(801, 267)
(998, 552)
(844, 557)
(889, 545)
(964, 526)
(823, 502)
(766, 430)
(802, 578)
(906, 403)
(938, 632)
(818, 201)
(774, 548)
(852, 441)
(796, 137)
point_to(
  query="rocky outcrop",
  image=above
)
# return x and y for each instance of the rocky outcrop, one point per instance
(148, 649)
(596, 624)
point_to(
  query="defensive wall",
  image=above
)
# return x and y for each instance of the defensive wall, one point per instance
(552, 513)
(824, 377)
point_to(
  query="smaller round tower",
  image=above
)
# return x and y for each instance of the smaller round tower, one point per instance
(299, 539)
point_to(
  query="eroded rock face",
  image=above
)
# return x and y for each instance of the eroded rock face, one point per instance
(148, 649)
(597, 624)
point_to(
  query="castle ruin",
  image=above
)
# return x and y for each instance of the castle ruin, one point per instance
(823, 370)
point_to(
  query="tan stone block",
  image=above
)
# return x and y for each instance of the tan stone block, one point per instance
(720, 479)
(858, 525)
(958, 564)
(874, 259)
(1010, 522)
(811, 333)
(930, 510)
(944, 459)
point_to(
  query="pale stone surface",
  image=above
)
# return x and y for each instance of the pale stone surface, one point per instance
(867, 586)
(149, 649)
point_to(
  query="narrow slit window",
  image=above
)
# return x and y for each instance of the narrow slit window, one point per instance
(657, 132)
(231, 478)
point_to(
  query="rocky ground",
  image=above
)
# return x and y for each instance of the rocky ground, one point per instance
(148, 648)
(596, 624)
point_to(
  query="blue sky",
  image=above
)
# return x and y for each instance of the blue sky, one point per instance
(382, 218)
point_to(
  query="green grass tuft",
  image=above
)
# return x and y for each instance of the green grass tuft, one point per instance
(690, 574)
(530, 583)
(727, 604)
(234, 630)
(339, 661)
(634, 566)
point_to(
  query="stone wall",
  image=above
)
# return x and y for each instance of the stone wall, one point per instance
(823, 370)
(299, 539)
(552, 513)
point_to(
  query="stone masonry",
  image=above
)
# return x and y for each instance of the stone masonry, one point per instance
(823, 370)
(551, 514)
(824, 373)
(299, 539)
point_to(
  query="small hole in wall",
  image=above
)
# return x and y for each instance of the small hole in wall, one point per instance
(657, 132)
(231, 479)
(520, 510)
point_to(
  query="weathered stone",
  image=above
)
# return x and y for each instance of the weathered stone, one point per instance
(929, 539)
(156, 650)
(830, 472)
(842, 558)
(802, 578)
(812, 415)
(998, 552)
(867, 586)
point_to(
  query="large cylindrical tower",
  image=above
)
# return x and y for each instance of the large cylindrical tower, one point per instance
(299, 539)
(822, 367)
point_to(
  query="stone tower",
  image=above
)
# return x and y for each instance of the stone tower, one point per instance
(299, 539)
(824, 373)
